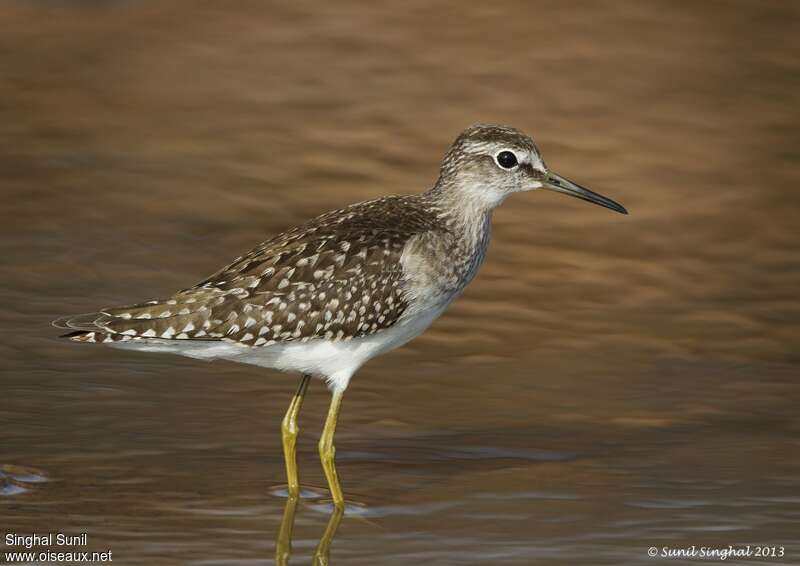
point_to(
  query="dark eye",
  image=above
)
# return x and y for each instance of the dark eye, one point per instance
(506, 159)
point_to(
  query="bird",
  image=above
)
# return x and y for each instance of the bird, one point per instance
(323, 298)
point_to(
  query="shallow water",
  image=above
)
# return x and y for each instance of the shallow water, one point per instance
(606, 384)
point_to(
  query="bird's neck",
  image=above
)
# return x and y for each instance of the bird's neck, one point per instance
(467, 216)
(468, 206)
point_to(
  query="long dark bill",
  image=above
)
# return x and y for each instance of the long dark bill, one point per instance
(561, 184)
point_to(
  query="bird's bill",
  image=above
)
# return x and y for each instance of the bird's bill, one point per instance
(561, 184)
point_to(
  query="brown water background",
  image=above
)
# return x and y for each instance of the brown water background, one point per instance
(606, 384)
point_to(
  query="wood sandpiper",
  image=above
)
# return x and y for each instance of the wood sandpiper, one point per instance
(323, 298)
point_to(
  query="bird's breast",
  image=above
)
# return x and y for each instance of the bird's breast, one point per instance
(438, 266)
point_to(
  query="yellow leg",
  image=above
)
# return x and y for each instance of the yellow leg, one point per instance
(327, 451)
(289, 432)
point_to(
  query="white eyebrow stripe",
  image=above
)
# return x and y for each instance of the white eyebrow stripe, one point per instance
(481, 148)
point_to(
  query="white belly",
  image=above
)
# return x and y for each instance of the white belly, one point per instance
(338, 361)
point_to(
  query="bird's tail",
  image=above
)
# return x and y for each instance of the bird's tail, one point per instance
(86, 328)
(184, 316)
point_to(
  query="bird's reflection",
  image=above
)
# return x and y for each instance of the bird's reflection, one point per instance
(283, 545)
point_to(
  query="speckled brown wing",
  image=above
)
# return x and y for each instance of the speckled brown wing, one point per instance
(337, 277)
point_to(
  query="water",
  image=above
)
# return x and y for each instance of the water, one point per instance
(606, 384)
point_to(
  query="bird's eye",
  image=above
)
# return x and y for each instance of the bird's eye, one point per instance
(506, 159)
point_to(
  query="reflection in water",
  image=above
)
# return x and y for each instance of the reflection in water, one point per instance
(283, 544)
(15, 480)
(322, 552)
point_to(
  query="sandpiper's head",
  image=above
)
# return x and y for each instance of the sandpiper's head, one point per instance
(488, 163)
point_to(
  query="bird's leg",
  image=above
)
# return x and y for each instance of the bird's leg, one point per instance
(289, 432)
(327, 451)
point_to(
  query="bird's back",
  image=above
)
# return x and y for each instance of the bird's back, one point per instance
(338, 277)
